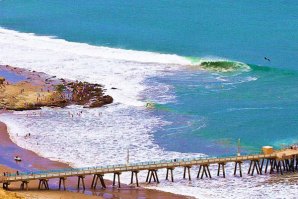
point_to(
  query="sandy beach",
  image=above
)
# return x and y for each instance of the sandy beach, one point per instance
(31, 161)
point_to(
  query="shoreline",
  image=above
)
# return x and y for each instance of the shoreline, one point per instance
(41, 163)
(32, 161)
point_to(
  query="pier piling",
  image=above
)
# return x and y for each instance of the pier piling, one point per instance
(114, 179)
(221, 164)
(24, 185)
(188, 171)
(254, 165)
(43, 183)
(5, 185)
(235, 169)
(172, 176)
(62, 180)
(95, 179)
(136, 175)
(81, 178)
(268, 161)
(278, 165)
(205, 170)
(152, 173)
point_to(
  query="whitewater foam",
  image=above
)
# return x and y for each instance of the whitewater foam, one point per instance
(108, 132)
(122, 69)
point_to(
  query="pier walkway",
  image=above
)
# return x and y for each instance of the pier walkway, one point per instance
(278, 162)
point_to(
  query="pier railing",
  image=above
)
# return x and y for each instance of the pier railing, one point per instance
(68, 172)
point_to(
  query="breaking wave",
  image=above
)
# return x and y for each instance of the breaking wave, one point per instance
(215, 64)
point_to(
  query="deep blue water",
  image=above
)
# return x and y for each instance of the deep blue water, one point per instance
(211, 110)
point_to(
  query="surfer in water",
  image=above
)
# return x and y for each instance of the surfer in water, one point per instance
(149, 105)
(267, 59)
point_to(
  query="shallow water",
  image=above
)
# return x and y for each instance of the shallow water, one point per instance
(11, 77)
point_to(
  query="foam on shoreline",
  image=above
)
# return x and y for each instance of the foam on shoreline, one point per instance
(121, 69)
(118, 68)
(108, 132)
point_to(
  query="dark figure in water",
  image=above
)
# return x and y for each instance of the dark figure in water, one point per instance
(266, 58)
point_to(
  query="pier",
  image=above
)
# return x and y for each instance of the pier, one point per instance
(276, 162)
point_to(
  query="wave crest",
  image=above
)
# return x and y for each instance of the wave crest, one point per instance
(219, 65)
(224, 66)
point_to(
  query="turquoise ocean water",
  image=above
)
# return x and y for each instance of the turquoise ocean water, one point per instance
(211, 110)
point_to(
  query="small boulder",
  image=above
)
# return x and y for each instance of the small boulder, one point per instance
(2, 80)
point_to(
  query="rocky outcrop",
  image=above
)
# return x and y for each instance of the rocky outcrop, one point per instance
(86, 94)
(39, 90)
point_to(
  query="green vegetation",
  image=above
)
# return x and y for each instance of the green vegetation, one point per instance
(60, 88)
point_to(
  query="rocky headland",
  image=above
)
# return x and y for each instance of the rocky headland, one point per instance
(22, 89)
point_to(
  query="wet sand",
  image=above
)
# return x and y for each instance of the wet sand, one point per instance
(31, 161)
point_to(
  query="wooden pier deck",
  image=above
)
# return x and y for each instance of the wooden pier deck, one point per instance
(279, 161)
